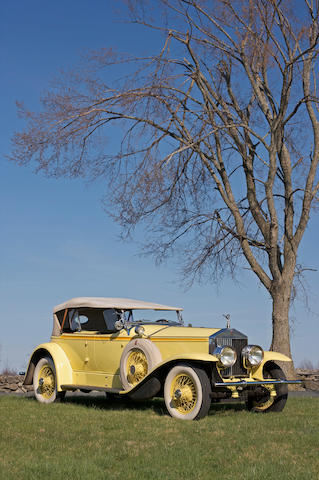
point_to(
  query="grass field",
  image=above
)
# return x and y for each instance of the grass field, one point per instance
(91, 438)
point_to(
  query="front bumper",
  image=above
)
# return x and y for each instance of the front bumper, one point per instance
(252, 383)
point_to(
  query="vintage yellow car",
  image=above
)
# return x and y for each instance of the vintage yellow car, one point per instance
(142, 350)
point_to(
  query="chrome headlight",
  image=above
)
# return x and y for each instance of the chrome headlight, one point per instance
(140, 330)
(253, 355)
(226, 356)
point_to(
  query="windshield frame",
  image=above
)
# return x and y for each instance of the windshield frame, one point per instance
(127, 317)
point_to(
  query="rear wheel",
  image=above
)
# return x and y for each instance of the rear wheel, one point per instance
(265, 402)
(44, 382)
(187, 392)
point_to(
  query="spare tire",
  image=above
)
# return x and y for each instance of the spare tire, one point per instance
(139, 357)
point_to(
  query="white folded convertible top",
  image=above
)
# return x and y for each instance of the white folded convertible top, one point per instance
(107, 302)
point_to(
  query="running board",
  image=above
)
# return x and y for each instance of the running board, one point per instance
(244, 383)
(90, 388)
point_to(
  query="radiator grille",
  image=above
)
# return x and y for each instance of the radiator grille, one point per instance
(237, 341)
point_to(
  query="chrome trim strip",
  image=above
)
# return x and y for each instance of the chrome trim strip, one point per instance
(246, 384)
(231, 331)
(222, 330)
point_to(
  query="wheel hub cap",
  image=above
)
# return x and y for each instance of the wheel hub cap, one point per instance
(177, 394)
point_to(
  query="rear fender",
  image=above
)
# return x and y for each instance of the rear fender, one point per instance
(64, 372)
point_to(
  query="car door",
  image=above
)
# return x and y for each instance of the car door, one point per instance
(108, 350)
(78, 345)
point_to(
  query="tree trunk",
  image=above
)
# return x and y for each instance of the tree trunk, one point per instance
(281, 328)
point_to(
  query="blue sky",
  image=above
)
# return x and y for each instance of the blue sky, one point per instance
(56, 241)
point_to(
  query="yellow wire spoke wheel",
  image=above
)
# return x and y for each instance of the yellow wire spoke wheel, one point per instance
(187, 392)
(264, 405)
(136, 366)
(265, 402)
(183, 393)
(46, 381)
(273, 399)
(138, 358)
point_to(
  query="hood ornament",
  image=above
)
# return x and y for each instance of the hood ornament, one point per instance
(227, 316)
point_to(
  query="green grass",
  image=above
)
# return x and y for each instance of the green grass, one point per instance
(91, 438)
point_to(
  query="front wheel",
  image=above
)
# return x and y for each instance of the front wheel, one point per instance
(187, 392)
(44, 382)
(265, 402)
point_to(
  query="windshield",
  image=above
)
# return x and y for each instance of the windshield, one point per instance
(154, 316)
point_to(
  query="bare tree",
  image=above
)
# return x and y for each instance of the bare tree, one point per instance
(219, 139)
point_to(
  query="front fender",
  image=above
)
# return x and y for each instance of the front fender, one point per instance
(269, 356)
(198, 357)
(64, 372)
(150, 385)
(275, 356)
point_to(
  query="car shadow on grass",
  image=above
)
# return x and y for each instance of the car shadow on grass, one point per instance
(118, 403)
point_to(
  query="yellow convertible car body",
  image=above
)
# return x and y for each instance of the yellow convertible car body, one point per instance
(142, 349)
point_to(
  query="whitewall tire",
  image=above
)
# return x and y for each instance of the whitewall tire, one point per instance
(44, 382)
(187, 392)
